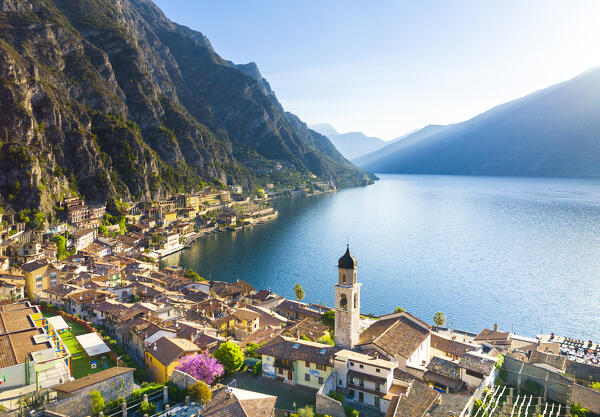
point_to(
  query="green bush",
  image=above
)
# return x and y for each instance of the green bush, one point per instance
(97, 402)
(176, 394)
(147, 388)
(350, 411)
(336, 396)
(147, 407)
(116, 403)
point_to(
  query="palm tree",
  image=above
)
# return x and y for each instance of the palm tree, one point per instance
(299, 292)
(439, 319)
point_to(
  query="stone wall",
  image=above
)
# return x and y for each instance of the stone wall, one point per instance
(182, 379)
(586, 397)
(556, 387)
(79, 403)
(325, 404)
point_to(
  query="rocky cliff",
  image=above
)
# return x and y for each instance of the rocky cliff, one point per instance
(110, 98)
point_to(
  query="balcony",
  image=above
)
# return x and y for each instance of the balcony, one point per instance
(285, 364)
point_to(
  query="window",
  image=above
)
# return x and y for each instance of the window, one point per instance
(307, 364)
(321, 380)
(38, 286)
(280, 371)
(355, 300)
(38, 278)
(343, 302)
(307, 377)
(351, 363)
(377, 370)
(339, 382)
(343, 278)
(377, 386)
(474, 374)
(361, 366)
(361, 382)
(321, 367)
(377, 400)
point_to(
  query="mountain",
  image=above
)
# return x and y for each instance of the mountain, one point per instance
(352, 144)
(324, 129)
(398, 144)
(553, 132)
(111, 99)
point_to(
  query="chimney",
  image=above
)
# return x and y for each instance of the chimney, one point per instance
(495, 327)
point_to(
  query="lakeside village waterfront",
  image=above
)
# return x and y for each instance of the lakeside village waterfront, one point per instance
(90, 326)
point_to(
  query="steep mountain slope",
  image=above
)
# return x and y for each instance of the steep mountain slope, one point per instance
(110, 98)
(553, 132)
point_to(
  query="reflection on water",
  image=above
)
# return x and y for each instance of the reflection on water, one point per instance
(520, 252)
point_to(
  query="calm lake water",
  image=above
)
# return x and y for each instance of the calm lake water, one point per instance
(521, 252)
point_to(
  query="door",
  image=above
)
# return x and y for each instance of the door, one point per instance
(361, 396)
(290, 374)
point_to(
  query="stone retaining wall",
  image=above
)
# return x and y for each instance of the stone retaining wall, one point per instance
(325, 404)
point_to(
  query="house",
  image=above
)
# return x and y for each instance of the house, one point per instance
(162, 357)
(237, 402)
(297, 361)
(294, 310)
(77, 302)
(11, 287)
(226, 219)
(401, 336)
(368, 380)
(494, 337)
(443, 375)
(232, 291)
(82, 238)
(30, 343)
(37, 278)
(449, 348)
(475, 367)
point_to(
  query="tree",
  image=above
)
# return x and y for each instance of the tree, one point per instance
(250, 350)
(97, 402)
(595, 386)
(299, 292)
(399, 310)
(230, 355)
(201, 392)
(103, 230)
(328, 319)
(201, 366)
(61, 246)
(439, 319)
(577, 410)
(257, 370)
(193, 275)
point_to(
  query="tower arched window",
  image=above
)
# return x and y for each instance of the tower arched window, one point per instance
(344, 279)
(355, 300)
(343, 302)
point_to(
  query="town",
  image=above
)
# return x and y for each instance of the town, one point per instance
(91, 326)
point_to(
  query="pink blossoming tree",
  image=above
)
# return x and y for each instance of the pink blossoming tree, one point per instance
(201, 366)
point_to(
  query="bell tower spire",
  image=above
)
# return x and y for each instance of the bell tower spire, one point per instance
(347, 302)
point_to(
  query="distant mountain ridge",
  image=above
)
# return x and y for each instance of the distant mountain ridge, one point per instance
(351, 144)
(553, 132)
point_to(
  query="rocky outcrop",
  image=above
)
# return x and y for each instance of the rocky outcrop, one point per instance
(110, 98)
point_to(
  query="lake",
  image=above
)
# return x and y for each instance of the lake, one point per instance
(520, 252)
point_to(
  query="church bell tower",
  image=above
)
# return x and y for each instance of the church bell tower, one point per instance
(347, 303)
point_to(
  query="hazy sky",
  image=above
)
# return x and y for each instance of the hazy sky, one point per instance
(388, 67)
